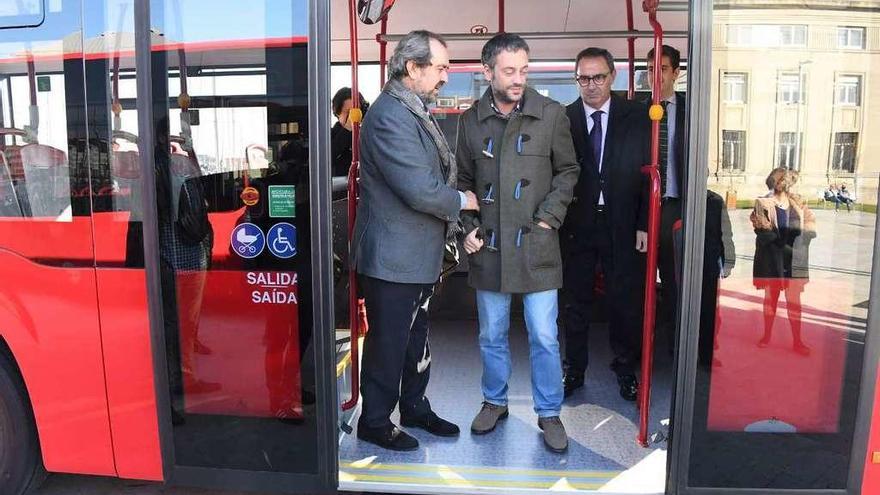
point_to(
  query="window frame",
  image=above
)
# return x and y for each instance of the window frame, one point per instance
(847, 32)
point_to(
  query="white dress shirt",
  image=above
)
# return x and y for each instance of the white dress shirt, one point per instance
(588, 111)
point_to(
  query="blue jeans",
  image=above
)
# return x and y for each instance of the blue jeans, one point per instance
(541, 309)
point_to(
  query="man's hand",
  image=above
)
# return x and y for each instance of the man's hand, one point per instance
(471, 243)
(472, 202)
(641, 241)
(544, 225)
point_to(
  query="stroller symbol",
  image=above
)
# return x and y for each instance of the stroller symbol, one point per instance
(247, 240)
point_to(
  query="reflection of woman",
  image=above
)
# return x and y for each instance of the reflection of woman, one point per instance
(784, 227)
(340, 134)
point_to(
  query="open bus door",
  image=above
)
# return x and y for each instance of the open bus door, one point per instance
(236, 227)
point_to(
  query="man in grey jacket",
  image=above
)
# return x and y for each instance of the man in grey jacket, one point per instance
(408, 209)
(515, 150)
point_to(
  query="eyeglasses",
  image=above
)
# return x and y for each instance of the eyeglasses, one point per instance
(598, 79)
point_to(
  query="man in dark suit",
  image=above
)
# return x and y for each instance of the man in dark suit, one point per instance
(673, 169)
(606, 224)
(408, 208)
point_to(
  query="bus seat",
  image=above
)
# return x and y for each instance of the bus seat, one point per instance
(125, 165)
(47, 179)
(13, 156)
(9, 206)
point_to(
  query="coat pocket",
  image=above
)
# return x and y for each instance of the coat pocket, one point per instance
(543, 248)
(397, 249)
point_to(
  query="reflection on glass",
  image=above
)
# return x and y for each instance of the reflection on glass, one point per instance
(779, 375)
(784, 227)
(232, 172)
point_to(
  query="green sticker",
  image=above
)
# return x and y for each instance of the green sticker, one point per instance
(282, 201)
(44, 84)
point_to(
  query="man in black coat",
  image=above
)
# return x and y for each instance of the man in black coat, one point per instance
(673, 168)
(606, 224)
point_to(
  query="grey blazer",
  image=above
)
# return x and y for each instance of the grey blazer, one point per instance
(404, 200)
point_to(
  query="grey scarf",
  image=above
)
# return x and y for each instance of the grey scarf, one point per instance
(415, 105)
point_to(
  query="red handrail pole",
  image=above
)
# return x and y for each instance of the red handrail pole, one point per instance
(383, 50)
(501, 26)
(353, 320)
(650, 6)
(631, 50)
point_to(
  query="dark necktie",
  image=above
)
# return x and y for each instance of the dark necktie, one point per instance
(596, 138)
(664, 149)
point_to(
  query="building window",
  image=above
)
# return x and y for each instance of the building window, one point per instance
(795, 35)
(733, 151)
(852, 38)
(787, 155)
(789, 86)
(735, 86)
(848, 91)
(767, 35)
(843, 154)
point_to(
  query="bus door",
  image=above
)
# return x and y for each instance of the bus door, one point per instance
(238, 243)
(777, 383)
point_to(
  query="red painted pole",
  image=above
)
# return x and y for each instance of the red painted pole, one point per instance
(653, 171)
(383, 50)
(631, 49)
(501, 26)
(354, 304)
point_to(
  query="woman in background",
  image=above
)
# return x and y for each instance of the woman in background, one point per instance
(784, 227)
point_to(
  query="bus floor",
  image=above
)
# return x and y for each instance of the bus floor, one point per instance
(603, 454)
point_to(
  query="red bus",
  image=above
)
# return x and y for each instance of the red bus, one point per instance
(174, 268)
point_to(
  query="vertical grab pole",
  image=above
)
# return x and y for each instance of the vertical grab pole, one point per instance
(653, 171)
(354, 304)
(501, 25)
(383, 50)
(631, 51)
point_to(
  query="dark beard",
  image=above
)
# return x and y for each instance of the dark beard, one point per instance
(501, 97)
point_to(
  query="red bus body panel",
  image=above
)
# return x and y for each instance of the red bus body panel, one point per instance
(131, 392)
(49, 319)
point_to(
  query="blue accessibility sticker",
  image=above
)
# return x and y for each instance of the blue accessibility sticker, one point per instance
(247, 240)
(281, 240)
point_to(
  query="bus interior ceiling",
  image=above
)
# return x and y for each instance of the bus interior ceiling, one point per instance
(603, 452)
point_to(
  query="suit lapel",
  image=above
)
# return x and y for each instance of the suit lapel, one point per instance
(616, 123)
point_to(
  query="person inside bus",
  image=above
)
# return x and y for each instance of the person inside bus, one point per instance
(408, 211)
(515, 249)
(185, 243)
(784, 228)
(607, 222)
(340, 134)
(672, 163)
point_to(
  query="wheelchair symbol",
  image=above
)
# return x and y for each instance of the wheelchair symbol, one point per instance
(282, 240)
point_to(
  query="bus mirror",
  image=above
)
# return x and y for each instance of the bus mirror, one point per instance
(373, 11)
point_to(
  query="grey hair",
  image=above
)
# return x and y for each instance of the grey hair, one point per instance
(415, 47)
(503, 42)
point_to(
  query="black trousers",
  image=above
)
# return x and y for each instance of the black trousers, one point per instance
(397, 358)
(622, 299)
(670, 212)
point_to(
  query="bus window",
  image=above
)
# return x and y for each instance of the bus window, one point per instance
(790, 226)
(27, 13)
(43, 167)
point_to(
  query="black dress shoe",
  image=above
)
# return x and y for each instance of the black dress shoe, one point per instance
(432, 424)
(572, 382)
(388, 437)
(629, 386)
